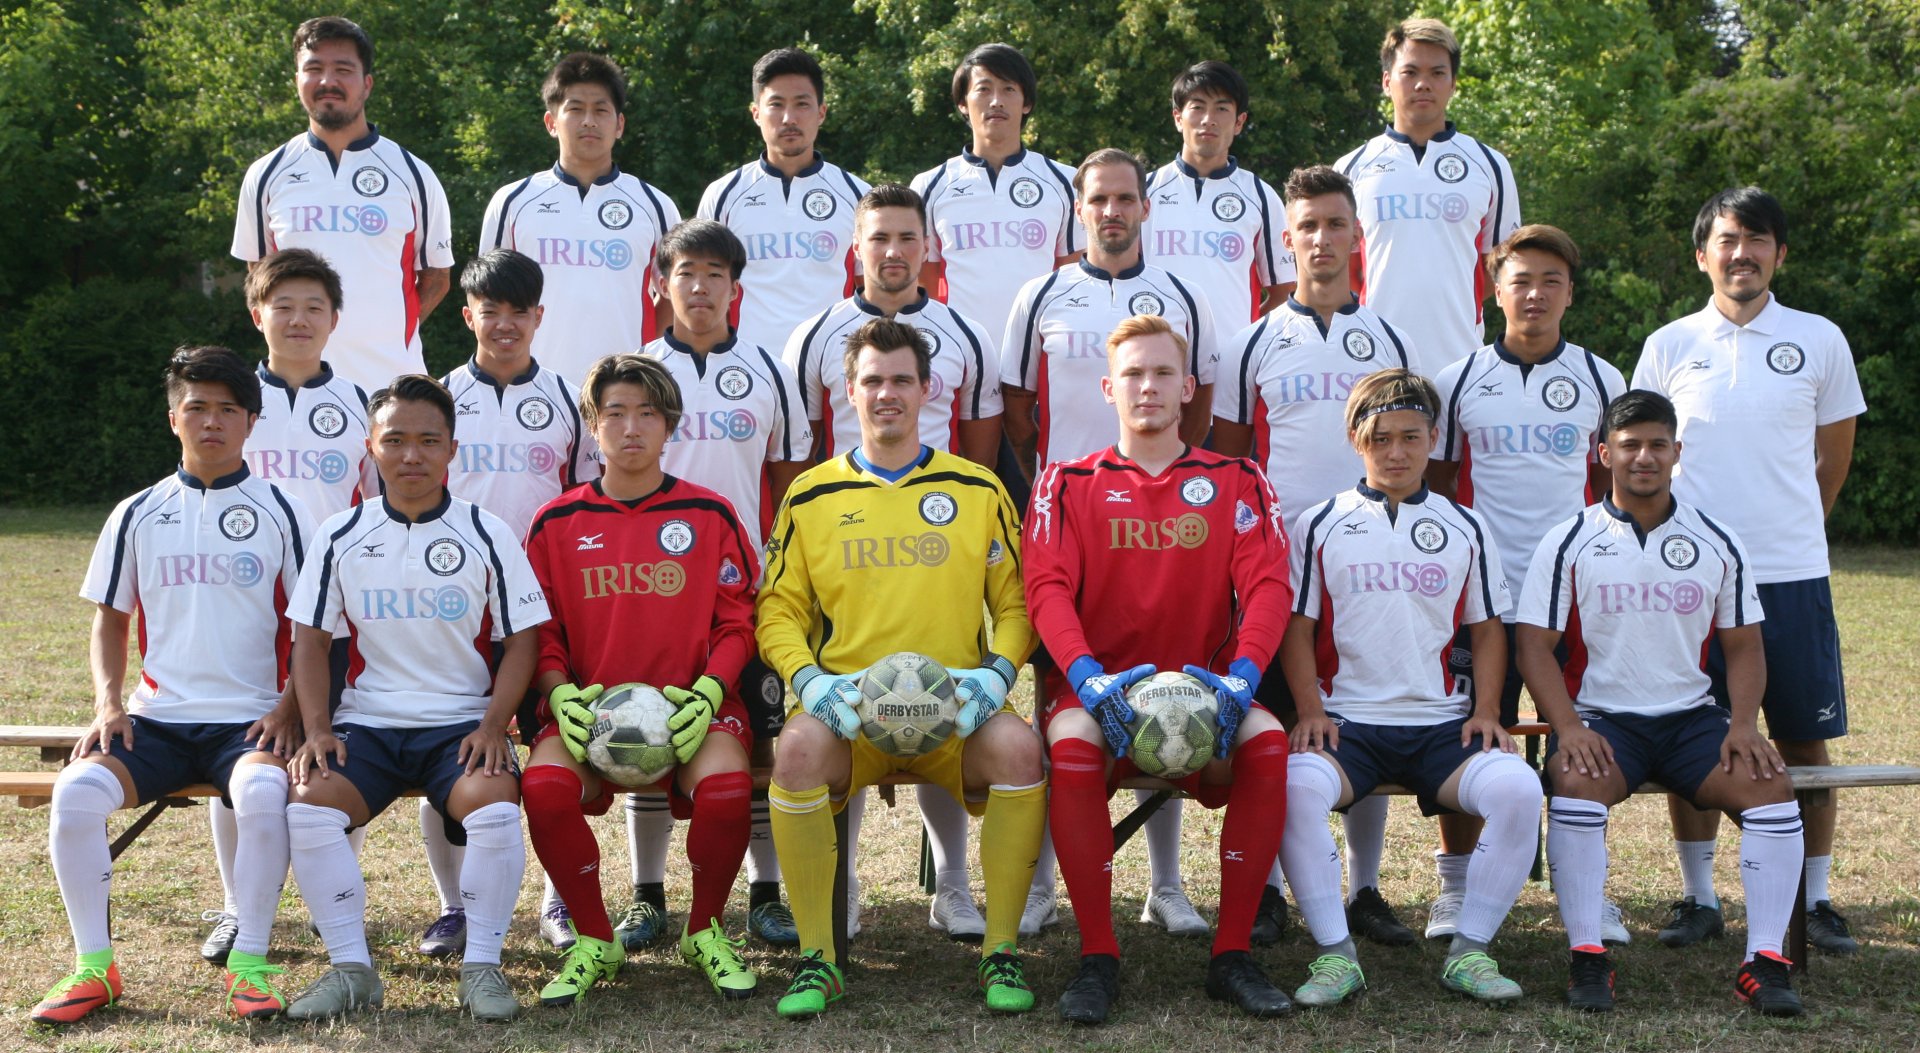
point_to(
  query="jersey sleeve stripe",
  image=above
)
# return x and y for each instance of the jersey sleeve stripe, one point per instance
(1599, 385)
(1033, 323)
(1479, 555)
(326, 569)
(980, 378)
(579, 437)
(1193, 324)
(1266, 228)
(293, 526)
(823, 489)
(1310, 559)
(1559, 571)
(426, 203)
(720, 203)
(786, 410)
(806, 351)
(1499, 188)
(120, 543)
(260, 202)
(1454, 432)
(1244, 413)
(659, 212)
(1399, 347)
(506, 209)
(499, 575)
(707, 504)
(1739, 570)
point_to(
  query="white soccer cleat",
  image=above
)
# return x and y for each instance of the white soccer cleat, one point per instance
(1613, 928)
(1443, 919)
(954, 913)
(1042, 910)
(1170, 909)
(853, 906)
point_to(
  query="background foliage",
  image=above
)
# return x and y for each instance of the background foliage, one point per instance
(125, 127)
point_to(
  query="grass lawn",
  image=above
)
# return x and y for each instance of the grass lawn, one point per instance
(912, 990)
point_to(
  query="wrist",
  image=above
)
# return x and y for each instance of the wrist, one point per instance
(806, 675)
(1082, 669)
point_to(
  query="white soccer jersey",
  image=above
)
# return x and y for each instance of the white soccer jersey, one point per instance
(799, 238)
(595, 248)
(1389, 591)
(379, 217)
(1289, 377)
(521, 445)
(311, 441)
(963, 384)
(994, 232)
(1426, 216)
(1056, 346)
(740, 409)
(1644, 605)
(1524, 437)
(208, 570)
(427, 600)
(1219, 232)
(1749, 400)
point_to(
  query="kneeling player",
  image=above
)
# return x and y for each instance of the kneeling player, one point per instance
(204, 556)
(894, 547)
(640, 549)
(433, 588)
(1153, 555)
(1384, 575)
(1648, 580)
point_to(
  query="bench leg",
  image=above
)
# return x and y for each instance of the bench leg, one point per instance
(1124, 830)
(132, 833)
(1797, 927)
(929, 880)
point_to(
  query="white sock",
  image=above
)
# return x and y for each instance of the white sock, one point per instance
(1696, 871)
(1816, 872)
(1276, 877)
(1365, 825)
(357, 840)
(649, 835)
(1163, 843)
(549, 896)
(762, 863)
(946, 823)
(1577, 861)
(1452, 870)
(259, 793)
(490, 878)
(1307, 854)
(1502, 789)
(856, 813)
(1046, 869)
(329, 879)
(83, 796)
(1771, 850)
(226, 834)
(443, 856)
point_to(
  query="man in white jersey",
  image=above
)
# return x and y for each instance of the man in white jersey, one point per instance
(374, 210)
(207, 557)
(1214, 223)
(590, 226)
(791, 208)
(1000, 213)
(1647, 580)
(433, 588)
(1767, 397)
(1384, 576)
(1433, 201)
(742, 433)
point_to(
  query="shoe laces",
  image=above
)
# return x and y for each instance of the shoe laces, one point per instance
(82, 975)
(1589, 968)
(447, 922)
(1823, 911)
(1330, 969)
(1238, 967)
(1476, 964)
(254, 976)
(814, 973)
(1609, 912)
(490, 982)
(554, 912)
(219, 917)
(1002, 968)
(1769, 971)
(776, 910)
(712, 942)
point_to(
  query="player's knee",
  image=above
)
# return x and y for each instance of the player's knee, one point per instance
(1072, 722)
(805, 747)
(726, 794)
(1499, 785)
(85, 793)
(312, 827)
(1012, 749)
(478, 790)
(258, 789)
(550, 791)
(1576, 786)
(1313, 786)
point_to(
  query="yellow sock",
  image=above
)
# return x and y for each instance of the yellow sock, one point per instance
(1009, 846)
(803, 837)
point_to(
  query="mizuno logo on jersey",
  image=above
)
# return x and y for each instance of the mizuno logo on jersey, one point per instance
(851, 518)
(467, 409)
(1355, 528)
(591, 541)
(962, 191)
(168, 519)
(1119, 497)
(548, 208)
(1604, 550)
(1171, 197)
(1385, 164)
(751, 199)
(1698, 363)
(372, 551)
(296, 177)
(1489, 389)
(1076, 301)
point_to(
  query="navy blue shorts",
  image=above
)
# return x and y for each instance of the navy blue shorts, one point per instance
(383, 763)
(1676, 750)
(166, 757)
(1421, 757)
(1460, 663)
(1806, 699)
(765, 697)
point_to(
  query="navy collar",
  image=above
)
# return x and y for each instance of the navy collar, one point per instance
(1417, 497)
(1350, 307)
(819, 162)
(1232, 166)
(484, 377)
(561, 174)
(683, 347)
(1438, 137)
(362, 143)
(1013, 159)
(231, 479)
(431, 514)
(867, 306)
(1500, 349)
(1607, 505)
(1131, 272)
(319, 380)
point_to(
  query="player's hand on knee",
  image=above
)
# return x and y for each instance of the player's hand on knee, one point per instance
(486, 749)
(982, 692)
(829, 698)
(1235, 693)
(1104, 695)
(1492, 736)
(313, 755)
(571, 707)
(1584, 750)
(100, 732)
(1763, 761)
(697, 706)
(1315, 733)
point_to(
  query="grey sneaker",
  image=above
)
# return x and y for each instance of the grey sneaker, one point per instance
(447, 936)
(485, 993)
(343, 989)
(556, 927)
(220, 940)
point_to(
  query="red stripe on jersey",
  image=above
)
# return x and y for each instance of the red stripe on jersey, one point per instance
(140, 612)
(768, 507)
(1463, 482)
(1479, 289)
(1357, 270)
(733, 310)
(1575, 671)
(853, 279)
(647, 312)
(409, 289)
(483, 643)
(1326, 654)
(1262, 437)
(356, 662)
(1254, 288)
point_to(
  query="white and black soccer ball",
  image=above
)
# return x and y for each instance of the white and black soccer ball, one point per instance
(630, 744)
(907, 706)
(1175, 724)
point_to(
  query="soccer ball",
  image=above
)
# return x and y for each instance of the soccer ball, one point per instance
(1174, 725)
(906, 704)
(630, 744)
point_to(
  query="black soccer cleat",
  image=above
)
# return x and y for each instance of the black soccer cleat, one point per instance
(1369, 916)
(1092, 993)
(1827, 931)
(1763, 983)
(1590, 982)
(1270, 921)
(1233, 976)
(1689, 923)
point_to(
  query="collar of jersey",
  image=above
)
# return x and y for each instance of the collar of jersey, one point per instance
(431, 514)
(868, 307)
(1500, 349)
(1418, 497)
(720, 348)
(819, 162)
(1440, 136)
(860, 462)
(319, 380)
(1180, 163)
(1350, 307)
(1131, 272)
(666, 484)
(1013, 161)
(364, 142)
(561, 174)
(484, 377)
(233, 478)
(1767, 322)
(1607, 505)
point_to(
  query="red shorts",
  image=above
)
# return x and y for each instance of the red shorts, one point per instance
(1059, 696)
(729, 719)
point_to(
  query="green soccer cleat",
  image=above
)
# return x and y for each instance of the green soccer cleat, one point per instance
(588, 962)
(1004, 981)
(1478, 977)
(720, 959)
(93, 984)
(1331, 980)
(817, 984)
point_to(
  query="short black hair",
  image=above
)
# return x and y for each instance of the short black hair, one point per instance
(892, 195)
(584, 67)
(1639, 406)
(503, 276)
(1004, 61)
(1213, 77)
(1317, 181)
(782, 62)
(212, 365)
(885, 335)
(333, 27)
(1754, 208)
(701, 238)
(413, 387)
(287, 265)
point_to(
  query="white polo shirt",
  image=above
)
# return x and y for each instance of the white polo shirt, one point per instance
(1056, 346)
(521, 445)
(1749, 400)
(595, 247)
(1524, 437)
(208, 570)
(427, 601)
(311, 441)
(1426, 216)
(798, 234)
(1220, 232)
(378, 215)
(1288, 376)
(995, 231)
(1644, 604)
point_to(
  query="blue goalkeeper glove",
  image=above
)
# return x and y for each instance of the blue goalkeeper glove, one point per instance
(1235, 692)
(830, 698)
(1105, 696)
(571, 708)
(689, 722)
(982, 692)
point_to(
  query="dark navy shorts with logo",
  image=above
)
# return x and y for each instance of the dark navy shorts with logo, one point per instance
(1676, 750)
(383, 763)
(1806, 699)
(1421, 757)
(166, 756)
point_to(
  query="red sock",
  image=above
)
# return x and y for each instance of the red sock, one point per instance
(1083, 839)
(717, 842)
(565, 845)
(1250, 837)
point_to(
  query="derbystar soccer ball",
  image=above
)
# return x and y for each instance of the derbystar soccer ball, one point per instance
(1174, 725)
(630, 744)
(906, 704)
